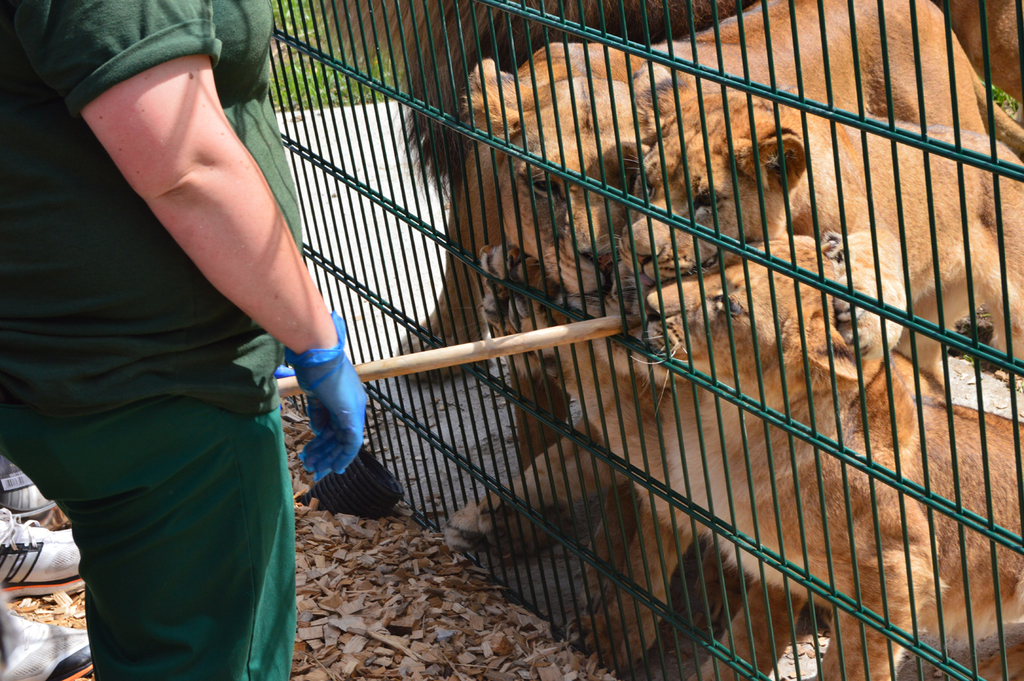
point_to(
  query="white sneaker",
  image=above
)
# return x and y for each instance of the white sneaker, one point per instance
(45, 652)
(35, 561)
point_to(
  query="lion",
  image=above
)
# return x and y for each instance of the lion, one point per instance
(894, 207)
(742, 47)
(783, 488)
(597, 375)
(468, 36)
(571, 105)
(478, 212)
(1001, 38)
(474, 526)
(572, 116)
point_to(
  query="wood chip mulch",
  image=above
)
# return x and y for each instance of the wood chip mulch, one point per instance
(385, 599)
(64, 610)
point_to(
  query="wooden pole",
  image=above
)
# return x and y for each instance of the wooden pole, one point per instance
(477, 351)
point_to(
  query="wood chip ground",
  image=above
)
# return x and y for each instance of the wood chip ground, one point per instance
(385, 599)
(388, 600)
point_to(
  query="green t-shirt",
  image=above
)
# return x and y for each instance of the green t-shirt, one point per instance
(98, 305)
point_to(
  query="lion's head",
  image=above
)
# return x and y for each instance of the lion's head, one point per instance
(508, 311)
(572, 107)
(747, 326)
(714, 162)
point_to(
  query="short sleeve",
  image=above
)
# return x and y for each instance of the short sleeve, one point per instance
(82, 48)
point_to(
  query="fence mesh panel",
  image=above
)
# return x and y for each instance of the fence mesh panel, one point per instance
(808, 216)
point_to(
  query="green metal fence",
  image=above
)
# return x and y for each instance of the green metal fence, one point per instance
(802, 216)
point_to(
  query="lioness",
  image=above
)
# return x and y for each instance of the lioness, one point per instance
(853, 80)
(572, 116)
(571, 105)
(1000, 37)
(546, 487)
(635, 425)
(913, 213)
(903, 560)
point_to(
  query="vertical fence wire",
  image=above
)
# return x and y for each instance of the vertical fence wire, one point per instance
(691, 496)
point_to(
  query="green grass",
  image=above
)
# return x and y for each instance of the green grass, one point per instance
(300, 82)
(1008, 103)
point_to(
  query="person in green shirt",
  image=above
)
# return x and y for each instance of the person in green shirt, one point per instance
(150, 272)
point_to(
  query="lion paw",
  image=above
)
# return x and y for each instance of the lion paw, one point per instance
(470, 529)
(870, 329)
(476, 527)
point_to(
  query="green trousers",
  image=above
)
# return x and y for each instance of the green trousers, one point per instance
(183, 514)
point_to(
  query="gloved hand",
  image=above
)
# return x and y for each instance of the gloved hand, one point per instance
(337, 405)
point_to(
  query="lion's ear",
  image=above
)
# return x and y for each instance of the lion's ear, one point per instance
(492, 99)
(843, 364)
(775, 146)
(657, 86)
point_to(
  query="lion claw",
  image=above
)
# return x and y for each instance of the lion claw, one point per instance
(469, 530)
(847, 316)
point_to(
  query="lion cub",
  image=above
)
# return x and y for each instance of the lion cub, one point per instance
(891, 206)
(853, 530)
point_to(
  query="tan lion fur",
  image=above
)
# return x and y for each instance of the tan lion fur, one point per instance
(1003, 50)
(480, 215)
(867, 198)
(791, 505)
(637, 526)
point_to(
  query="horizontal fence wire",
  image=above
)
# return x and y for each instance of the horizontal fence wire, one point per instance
(738, 469)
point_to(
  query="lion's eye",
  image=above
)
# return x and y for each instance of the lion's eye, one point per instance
(544, 185)
(703, 200)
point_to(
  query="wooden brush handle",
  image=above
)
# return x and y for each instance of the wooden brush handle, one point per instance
(476, 351)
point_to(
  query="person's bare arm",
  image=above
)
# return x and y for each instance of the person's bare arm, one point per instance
(167, 133)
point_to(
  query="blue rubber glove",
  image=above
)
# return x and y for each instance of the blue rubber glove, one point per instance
(337, 405)
(283, 372)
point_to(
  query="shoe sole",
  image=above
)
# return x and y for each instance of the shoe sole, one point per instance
(43, 588)
(85, 671)
(75, 666)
